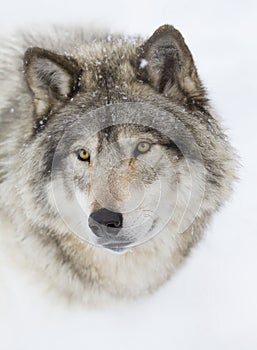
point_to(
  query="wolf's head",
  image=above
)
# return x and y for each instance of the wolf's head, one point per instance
(120, 135)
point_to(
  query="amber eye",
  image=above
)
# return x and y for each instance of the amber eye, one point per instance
(83, 155)
(143, 147)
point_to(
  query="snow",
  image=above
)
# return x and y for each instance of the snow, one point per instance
(211, 302)
(143, 63)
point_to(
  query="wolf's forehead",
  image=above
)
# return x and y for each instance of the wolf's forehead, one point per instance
(108, 65)
(125, 134)
(110, 137)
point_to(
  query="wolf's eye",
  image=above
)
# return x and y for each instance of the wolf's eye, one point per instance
(143, 147)
(83, 155)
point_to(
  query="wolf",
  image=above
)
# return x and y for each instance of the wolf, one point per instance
(112, 158)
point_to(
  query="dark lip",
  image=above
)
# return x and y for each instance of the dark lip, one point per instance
(117, 247)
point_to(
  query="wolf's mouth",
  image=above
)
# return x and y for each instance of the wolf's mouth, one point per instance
(117, 247)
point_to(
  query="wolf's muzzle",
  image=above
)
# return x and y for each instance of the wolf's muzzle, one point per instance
(105, 223)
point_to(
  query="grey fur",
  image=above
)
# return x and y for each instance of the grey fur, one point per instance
(112, 71)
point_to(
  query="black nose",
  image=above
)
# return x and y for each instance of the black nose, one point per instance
(105, 223)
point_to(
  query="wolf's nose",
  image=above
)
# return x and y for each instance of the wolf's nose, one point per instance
(104, 222)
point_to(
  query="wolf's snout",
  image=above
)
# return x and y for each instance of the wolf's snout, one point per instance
(104, 222)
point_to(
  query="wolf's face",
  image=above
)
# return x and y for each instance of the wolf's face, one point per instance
(125, 179)
(117, 175)
(118, 184)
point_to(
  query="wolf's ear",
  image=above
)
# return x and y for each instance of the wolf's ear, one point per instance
(166, 63)
(52, 78)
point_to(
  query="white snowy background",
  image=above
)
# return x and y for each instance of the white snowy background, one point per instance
(211, 303)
